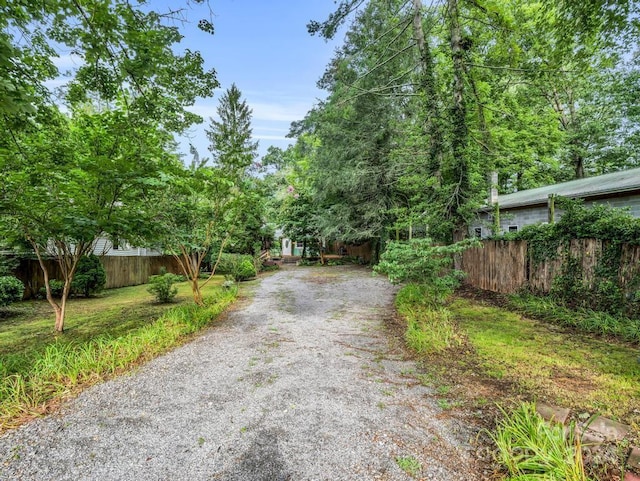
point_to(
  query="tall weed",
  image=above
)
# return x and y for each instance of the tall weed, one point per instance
(430, 326)
(596, 322)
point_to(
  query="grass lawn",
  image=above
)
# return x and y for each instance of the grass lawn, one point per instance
(542, 361)
(28, 325)
(491, 363)
(103, 335)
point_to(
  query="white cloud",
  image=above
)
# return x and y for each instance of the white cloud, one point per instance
(272, 137)
(67, 62)
(277, 112)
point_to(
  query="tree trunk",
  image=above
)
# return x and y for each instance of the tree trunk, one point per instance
(578, 164)
(60, 312)
(57, 309)
(197, 293)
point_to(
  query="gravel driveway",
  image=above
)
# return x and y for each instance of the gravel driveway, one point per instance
(303, 382)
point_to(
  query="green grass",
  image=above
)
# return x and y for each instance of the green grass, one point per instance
(532, 449)
(104, 335)
(541, 360)
(430, 327)
(586, 320)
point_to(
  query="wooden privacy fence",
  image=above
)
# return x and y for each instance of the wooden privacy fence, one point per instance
(499, 266)
(506, 266)
(121, 271)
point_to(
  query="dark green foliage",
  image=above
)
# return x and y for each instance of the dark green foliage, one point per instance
(582, 222)
(162, 286)
(8, 265)
(547, 309)
(90, 276)
(11, 290)
(56, 287)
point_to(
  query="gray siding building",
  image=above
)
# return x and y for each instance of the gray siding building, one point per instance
(533, 206)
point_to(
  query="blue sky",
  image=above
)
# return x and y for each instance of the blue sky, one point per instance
(263, 47)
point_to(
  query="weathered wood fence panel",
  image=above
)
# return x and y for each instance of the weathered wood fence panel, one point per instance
(121, 271)
(362, 251)
(506, 266)
(498, 266)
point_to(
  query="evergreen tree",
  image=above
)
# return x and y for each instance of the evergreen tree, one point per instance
(232, 147)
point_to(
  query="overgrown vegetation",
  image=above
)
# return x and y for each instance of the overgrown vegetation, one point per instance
(607, 290)
(35, 370)
(429, 269)
(587, 320)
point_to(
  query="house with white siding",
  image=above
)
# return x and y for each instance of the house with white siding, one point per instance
(105, 247)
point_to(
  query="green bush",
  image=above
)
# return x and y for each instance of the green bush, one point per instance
(246, 270)
(162, 286)
(90, 276)
(240, 267)
(56, 287)
(422, 262)
(11, 290)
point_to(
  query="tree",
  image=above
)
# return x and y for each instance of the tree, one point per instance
(193, 218)
(126, 52)
(232, 146)
(533, 90)
(70, 181)
(234, 156)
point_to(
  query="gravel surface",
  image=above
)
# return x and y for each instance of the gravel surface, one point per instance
(302, 382)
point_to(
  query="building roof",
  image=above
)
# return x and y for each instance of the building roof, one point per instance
(625, 181)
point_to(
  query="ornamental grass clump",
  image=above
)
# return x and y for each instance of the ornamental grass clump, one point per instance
(532, 449)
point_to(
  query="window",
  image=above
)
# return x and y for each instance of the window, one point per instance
(478, 232)
(513, 228)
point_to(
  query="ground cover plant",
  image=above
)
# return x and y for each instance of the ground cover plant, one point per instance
(104, 336)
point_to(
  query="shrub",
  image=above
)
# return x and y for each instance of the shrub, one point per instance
(245, 270)
(530, 448)
(162, 286)
(56, 287)
(11, 290)
(240, 267)
(422, 262)
(90, 276)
